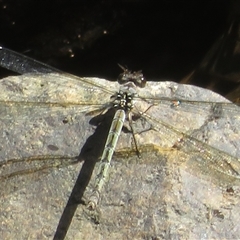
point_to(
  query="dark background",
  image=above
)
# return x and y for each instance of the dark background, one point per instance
(166, 39)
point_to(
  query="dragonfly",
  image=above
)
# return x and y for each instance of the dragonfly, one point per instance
(163, 115)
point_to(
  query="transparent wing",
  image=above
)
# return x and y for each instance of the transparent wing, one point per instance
(31, 103)
(37, 138)
(19, 63)
(16, 174)
(46, 116)
(209, 144)
(184, 98)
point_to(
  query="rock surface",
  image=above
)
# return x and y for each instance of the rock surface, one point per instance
(174, 191)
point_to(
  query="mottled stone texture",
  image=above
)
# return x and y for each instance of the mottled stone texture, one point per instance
(180, 188)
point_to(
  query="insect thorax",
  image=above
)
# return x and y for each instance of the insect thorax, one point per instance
(124, 98)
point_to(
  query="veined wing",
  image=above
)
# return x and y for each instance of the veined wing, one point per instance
(187, 98)
(208, 158)
(19, 63)
(56, 88)
(44, 123)
(34, 135)
(210, 142)
(16, 174)
(23, 64)
(31, 102)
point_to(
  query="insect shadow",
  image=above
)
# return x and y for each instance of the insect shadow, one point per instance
(90, 154)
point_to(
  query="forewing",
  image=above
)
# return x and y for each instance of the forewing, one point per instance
(19, 63)
(43, 117)
(208, 137)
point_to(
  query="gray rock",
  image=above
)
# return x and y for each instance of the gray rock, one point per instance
(184, 186)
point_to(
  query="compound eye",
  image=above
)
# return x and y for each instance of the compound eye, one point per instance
(142, 81)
